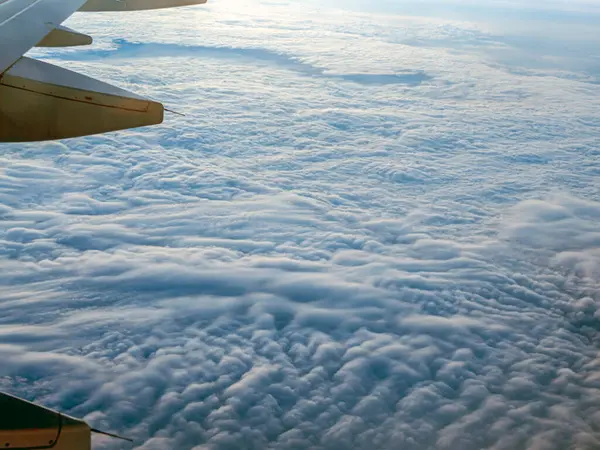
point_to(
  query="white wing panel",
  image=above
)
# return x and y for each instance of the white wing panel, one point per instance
(24, 23)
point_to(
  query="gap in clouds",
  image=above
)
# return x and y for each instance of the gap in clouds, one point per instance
(127, 50)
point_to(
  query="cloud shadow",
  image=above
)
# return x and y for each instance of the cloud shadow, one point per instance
(128, 50)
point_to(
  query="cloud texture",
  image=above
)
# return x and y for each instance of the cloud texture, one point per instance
(369, 232)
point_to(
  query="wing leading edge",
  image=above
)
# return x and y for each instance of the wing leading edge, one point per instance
(40, 101)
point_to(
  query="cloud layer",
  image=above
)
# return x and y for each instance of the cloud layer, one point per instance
(367, 232)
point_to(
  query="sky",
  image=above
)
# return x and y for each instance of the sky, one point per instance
(376, 227)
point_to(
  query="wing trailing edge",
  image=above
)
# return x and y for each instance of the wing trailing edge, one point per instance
(135, 5)
(25, 425)
(64, 37)
(42, 102)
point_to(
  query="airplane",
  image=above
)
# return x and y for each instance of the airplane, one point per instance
(27, 426)
(40, 101)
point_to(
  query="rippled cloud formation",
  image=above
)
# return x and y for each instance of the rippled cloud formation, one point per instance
(369, 231)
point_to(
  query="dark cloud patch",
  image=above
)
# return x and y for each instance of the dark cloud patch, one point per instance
(126, 50)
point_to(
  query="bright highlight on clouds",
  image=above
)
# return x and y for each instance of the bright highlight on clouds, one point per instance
(368, 232)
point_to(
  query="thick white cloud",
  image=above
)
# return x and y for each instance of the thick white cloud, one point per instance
(368, 232)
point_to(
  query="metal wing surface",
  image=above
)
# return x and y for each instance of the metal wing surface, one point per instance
(40, 101)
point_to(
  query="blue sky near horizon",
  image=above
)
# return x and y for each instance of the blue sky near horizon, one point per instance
(374, 228)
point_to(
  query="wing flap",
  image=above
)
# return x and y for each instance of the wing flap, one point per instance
(64, 37)
(42, 102)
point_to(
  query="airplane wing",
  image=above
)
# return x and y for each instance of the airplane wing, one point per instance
(40, 101)
(27, 426)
